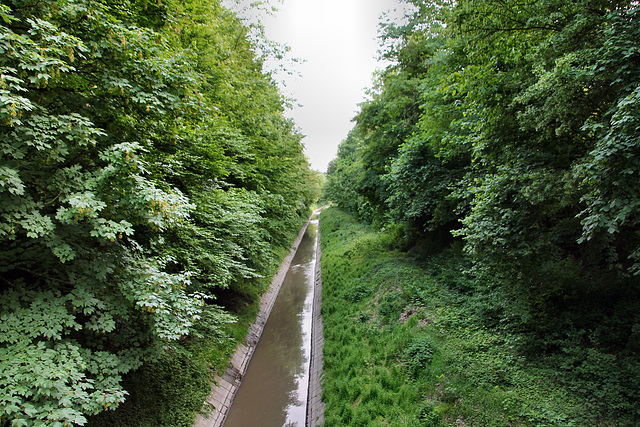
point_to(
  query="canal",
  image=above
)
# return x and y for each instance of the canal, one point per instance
(274, 389)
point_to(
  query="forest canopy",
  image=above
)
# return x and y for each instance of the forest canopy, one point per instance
(144, 163)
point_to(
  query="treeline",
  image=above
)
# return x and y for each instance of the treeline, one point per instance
(145, 164)
(512, 128)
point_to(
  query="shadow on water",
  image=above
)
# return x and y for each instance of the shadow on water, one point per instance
(274, 389)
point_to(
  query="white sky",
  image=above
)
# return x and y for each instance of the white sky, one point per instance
(337, 41)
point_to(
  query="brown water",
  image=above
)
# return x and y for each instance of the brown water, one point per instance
(274, 389)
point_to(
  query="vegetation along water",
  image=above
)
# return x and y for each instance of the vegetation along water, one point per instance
(417, 338)
(274, 388)
(481, 267)
(149, 187)
(497, 161)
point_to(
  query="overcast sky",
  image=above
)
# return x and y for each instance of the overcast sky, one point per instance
(337, 41)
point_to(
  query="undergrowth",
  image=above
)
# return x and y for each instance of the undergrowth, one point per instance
(419, 341)
(170, 390)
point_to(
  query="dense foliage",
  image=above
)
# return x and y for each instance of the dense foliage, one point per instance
(411, 339)
(513, 127)
(144, 163)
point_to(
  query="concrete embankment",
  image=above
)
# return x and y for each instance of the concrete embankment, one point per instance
(225, 387)
(315, 406)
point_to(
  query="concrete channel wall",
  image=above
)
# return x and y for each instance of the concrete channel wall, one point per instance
(315, 406)
(224, 387)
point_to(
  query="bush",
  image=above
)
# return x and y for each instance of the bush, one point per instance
(419, 356)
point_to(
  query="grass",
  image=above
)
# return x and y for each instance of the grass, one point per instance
(419, 341)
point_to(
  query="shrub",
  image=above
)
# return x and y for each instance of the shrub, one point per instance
(419, 356)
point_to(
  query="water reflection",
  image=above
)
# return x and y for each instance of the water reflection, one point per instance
(274, 389)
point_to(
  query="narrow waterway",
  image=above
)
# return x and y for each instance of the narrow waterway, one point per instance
(274, 389)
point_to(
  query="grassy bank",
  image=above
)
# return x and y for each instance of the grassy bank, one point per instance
(414, 340)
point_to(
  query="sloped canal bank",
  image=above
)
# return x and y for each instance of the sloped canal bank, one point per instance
(268, 380)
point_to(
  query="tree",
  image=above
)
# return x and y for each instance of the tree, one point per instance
(344, 175)
(123, 162)
(513, 125)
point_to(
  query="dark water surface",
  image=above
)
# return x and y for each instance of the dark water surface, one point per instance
(274, 389)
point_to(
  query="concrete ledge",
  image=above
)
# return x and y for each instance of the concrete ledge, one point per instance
(224, 388)
(315, 406)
